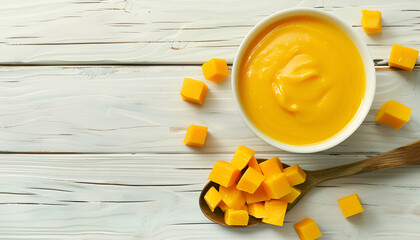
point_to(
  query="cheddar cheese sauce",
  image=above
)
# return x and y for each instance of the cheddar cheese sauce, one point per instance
(301, 80)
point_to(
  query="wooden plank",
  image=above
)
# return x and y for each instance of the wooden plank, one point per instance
(155, 196)
(181, 32)
(139, 109)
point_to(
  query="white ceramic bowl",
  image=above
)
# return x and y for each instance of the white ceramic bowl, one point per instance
(369, 71)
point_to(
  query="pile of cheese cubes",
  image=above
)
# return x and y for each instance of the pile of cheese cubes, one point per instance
(263, 190)
(195, 91)
(260, 190)
(392, 113)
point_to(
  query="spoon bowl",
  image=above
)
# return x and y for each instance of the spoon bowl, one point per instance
(402, 156)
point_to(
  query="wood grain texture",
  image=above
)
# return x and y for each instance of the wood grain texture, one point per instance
(145, 183)
(170, 32)
(149, 196)
(139, 109)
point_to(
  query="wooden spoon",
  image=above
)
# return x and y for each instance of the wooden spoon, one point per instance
(402, 156)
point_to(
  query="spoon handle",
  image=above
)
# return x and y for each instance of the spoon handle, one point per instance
(403, 156)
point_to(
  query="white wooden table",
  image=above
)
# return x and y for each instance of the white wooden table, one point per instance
(92, 123)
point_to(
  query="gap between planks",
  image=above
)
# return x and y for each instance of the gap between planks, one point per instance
(380, 65)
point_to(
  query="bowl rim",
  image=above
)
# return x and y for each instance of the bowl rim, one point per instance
(368, 64)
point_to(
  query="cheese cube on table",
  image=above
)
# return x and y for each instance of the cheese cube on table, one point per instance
(215, 70)
(242, 157)
(291, 197)
(250, 181)
(276, 210)
(307, 229)
(224, 174)
(350, 205)
(259, 195)
(295, 175)
(271, 166)
(196, 135)
(403, 57)
(371, 21)
(234, 198)
(212, 198)
(257, 210)
(236, 217)
(393, 114)
(193, 91)
(277, 186)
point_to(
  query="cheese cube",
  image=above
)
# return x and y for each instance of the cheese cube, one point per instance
(393, 114)
(215, 69)
(224, 174)
(222, 205)
(307, 229)
(225, 207)
(291, 197)
(258, 196)
(253, 163)
(257, 210)
(271, 166)
(350, 205)
(276, 210)
(196, 135)
(250, 181)
(244, 207)
(234, 198)
(242, 157)
(371, 21)
(193, 91)
(295, 175)
(236, 217)
(403, 57)
(277, 186)
(212, 198)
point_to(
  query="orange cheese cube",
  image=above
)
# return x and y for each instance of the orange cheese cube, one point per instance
(271, 166)
(277, 186)
(215, 69)
(393, 114)
(196, 135)
(236, 217)
(234, 198)
(193, 90)
(258, 196)
(222, 205)
(253, 163)
(242, 157)
(225, 207)
(371, 21)
(212, 198)
(257, 210)
(307, 229)
(250, 181)
(295, 175)
(291, 197)
(224, 174)
(350, 205)
(244, 207)
(403, 57)
(276, 210)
